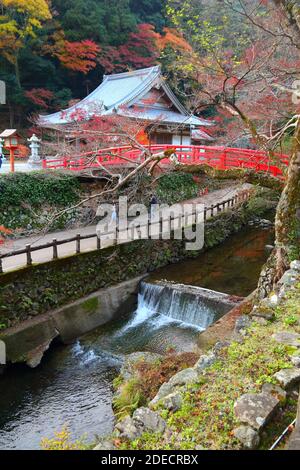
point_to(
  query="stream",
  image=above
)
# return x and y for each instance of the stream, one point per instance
(73, 385)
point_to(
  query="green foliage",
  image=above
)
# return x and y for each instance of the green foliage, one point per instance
(24, 196)
(176, 187)
(129, 399)
(36, 189)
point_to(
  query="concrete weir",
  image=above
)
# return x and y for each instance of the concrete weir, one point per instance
(28, 341)
(188, 304)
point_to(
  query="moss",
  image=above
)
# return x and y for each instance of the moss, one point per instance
(91, 305)
(207, 416)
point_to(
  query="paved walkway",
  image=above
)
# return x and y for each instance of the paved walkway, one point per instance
(20, 166)
(68, 249)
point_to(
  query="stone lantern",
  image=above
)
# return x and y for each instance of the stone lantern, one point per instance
(34, 159)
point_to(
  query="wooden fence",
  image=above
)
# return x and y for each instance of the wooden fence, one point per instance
(209, 212)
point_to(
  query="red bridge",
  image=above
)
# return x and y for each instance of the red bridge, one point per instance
(222, 158)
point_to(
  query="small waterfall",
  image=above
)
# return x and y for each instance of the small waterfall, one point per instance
(184, 304)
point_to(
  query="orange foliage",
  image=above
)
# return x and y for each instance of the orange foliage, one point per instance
(172, 38)
(79, 56)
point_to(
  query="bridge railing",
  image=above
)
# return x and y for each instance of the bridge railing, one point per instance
(217, 157)
(28, 250)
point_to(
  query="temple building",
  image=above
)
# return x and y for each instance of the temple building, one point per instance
(144, 95)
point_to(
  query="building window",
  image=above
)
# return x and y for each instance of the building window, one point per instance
(162, 139)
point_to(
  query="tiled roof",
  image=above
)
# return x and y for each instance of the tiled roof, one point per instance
(120, 91)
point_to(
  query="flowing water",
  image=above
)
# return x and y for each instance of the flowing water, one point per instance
(73, 385)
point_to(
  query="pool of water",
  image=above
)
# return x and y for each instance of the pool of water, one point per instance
(233, 267)
(73, 385)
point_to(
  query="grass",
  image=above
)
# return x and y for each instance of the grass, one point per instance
(207, 418)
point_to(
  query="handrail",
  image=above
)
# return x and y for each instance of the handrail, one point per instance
(208, 213)
(218, 157)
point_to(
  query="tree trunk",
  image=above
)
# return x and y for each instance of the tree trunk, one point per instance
(287, 223)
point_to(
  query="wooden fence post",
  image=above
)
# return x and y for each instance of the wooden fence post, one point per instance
(28, 255)
(98, 243)
(78, 243)
(55, 252)
(1, 267)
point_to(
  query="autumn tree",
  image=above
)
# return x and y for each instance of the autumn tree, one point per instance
(20, 21)
(251, 86)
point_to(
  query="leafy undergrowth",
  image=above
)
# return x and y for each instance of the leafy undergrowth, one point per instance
(62, 440)
(148, 378)
(207, 418)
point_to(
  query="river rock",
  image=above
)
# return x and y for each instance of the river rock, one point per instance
(172, 402)
(146, 420)
(247, 436)
(256, 409)
(127, 429)
(205, 361)
(287, 338)
(288, 377)
(128, 371)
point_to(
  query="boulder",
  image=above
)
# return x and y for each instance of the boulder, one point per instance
(182, 378)
(256, 409)
(274, 390)
(288, 377)
(127, 429)
(172, 402)
(287, 338)
(247, 436)
(205, 361)
(146, 420)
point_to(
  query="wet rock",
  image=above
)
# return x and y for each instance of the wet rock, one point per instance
(288, 377)
(128, 370)
(146, 420)
(242, 323)
(255, 409)
(127, 429)
(287, 338)
(295, 266)
(275, 390)
(205, 361)
(172, 402)
(247, 436)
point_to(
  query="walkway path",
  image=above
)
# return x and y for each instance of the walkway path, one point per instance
(68, 249)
